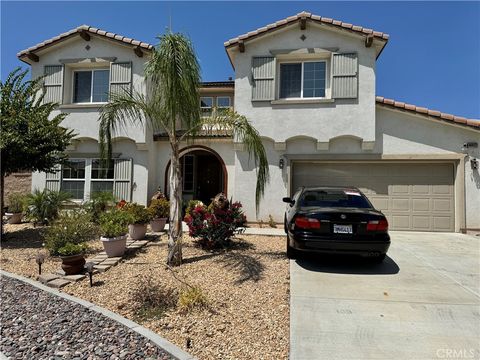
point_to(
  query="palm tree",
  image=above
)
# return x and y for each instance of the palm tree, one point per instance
(172, 106)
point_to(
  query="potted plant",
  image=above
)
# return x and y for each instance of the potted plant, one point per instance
(66, 238)
(139, 217)
(159, 209)
(16, 202)
(113, 230)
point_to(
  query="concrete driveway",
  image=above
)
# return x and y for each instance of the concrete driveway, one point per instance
(423, 302)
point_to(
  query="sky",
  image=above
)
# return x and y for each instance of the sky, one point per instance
(432, 58)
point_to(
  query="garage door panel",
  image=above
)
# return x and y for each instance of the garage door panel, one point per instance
(413, 196)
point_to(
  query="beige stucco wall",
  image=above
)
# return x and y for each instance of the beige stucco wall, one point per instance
(322, 121)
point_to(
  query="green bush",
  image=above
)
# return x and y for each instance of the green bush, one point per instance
(16, 203)
(114, 223)
(72, 227)
(138, 214)
(72, 249)
(159, 208)
(43, 206)
(99, 203)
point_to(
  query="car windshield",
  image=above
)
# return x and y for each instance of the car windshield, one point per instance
(334, 198)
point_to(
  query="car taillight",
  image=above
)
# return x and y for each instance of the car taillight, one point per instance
(377, 225)
(307, 223)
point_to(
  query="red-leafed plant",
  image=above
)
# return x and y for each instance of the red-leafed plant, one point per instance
(214, 227)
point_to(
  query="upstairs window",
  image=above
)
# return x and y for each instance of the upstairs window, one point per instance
(223, 103)
(206, 104)
(303, 79)
(91, 86)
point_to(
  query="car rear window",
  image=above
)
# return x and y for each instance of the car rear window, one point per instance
(334, 198)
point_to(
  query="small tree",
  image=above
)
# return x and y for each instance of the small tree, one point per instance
(30, 139)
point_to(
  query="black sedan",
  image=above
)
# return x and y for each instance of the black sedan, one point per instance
(335, 220)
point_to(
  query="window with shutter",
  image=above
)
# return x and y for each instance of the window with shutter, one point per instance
(345, 76)
(263, 78)
(120, 77)
(53, 83)
(53, 179)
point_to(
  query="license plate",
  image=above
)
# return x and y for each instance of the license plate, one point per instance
(342, 229)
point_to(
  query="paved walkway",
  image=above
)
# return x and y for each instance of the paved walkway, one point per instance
(39, 323)
(421, 303)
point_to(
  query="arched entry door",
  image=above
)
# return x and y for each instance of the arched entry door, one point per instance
(203, 174)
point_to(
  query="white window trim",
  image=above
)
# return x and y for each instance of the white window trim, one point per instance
(327, 80)
(91, 87)
(84, 179)
(206, 97)
(229, 102)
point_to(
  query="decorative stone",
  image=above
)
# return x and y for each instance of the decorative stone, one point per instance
(110, 261)
(58, 283)
(74, 278)
(102, 268)
(45, 278)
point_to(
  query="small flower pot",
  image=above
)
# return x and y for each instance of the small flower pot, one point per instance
(158, 224)
(137, 231)
(114, 246)
(73, 264)
(14, 218)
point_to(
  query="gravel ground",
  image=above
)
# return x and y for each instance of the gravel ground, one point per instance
(22, 242)
(247, 290)
(39, 325)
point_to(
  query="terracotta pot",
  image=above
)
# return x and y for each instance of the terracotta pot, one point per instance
(14, 218)
(73, 264)
(137, 231)
(158, 224)
(114, 246)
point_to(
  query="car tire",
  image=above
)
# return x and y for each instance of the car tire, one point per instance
(379, 259)
(291, 252)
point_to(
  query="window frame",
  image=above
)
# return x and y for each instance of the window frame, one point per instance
(84, 179)
(302, 62)
(91, 85)
(99, 180)
(224, 97)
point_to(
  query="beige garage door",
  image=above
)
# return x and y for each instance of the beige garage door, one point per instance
(416, 196)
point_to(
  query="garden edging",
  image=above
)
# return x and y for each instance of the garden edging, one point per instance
(150, 335)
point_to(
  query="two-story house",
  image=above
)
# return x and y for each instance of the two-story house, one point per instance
(307, 83)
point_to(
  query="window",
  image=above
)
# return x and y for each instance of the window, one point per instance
(223, 103)
(303, 80)
(188, 172)
(206, 104)
(90, 86)
(102, 178)
(73, 178)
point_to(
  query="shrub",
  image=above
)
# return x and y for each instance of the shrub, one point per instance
(138, 214)
(16, 203)
(43, 206)
(191, 205)
(99, 203)
(114, 223)
(72, 249)
(159, 208)
(213, 227)
(71, 228)
(190, 298)
(151, 299)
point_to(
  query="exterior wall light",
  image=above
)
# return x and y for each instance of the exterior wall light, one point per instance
(281, 163)
(474, 164)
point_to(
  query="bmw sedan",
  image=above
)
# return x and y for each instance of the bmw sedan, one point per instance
(335, 220)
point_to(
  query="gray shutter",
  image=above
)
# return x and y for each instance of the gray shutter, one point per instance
(263, 78)
(345, 76)
(53, 83)
(120, 77)
(123, 179)
(53, 181)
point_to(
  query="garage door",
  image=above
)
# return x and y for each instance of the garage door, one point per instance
(416, 197)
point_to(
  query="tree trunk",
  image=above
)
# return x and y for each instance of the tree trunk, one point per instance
(2, 202)
(175, 227)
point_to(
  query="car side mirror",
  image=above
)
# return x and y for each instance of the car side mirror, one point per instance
(288, 201)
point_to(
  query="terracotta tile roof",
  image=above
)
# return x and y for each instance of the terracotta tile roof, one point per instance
(428, 112)
(226, 84)
(309, 16)
(89, 29)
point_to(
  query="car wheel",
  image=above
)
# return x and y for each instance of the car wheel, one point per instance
(291, 252)
(379, 259)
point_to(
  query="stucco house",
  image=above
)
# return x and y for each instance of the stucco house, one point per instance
(307, 83)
